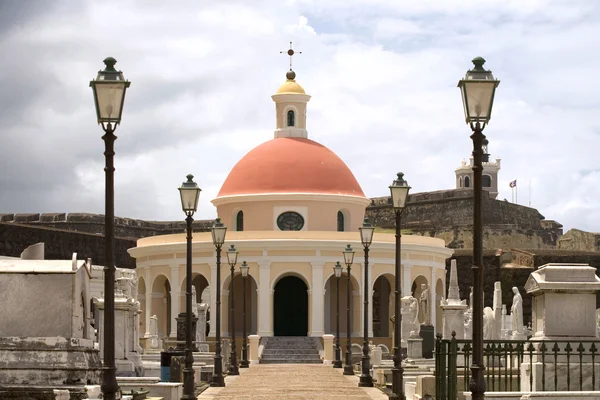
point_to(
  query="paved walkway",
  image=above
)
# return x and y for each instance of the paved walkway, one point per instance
(293, 382)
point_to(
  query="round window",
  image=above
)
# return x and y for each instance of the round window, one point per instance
(290, 221)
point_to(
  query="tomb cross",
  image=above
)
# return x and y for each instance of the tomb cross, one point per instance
(291, 53)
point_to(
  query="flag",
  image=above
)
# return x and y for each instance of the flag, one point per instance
(513, 184)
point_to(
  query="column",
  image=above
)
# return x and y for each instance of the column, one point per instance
(370, 283)
(317, 325)
(175, 293)
(148, 301)
(433, 303)
(265, 318)
(213, 299)
(357, 313)
(225, 313)
(407, 283)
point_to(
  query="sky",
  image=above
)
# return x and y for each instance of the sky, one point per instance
(382, 75)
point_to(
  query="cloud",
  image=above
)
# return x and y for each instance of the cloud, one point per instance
(382, 74)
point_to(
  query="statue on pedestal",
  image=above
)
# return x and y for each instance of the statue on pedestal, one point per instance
(424, 306)
(516, 311)
(154, 332)
(194, 303)
(410, 318)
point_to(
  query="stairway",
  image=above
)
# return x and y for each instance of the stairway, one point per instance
(291, 350)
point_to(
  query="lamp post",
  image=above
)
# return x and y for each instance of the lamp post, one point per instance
(189, 193)
(109, 95)
(218, 235)
(399, 190)
(366, 237)
(337, 269)
(232, 255)
(477, 89)
(244, 362)
(348, 260)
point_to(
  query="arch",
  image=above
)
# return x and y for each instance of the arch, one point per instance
(383, 307)
(142, 296)
(239, 221)
(486, 181)
(291, 118)
(467, 181)
(416, 293)
(289, 272)
(330, 305)
(290, 307)
(161, 303)
(200, 282)
(237, 288)
(439, 295)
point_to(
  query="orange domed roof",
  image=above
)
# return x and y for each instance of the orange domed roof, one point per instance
(290, 165)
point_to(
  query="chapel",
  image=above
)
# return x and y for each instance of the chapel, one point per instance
(291, 206)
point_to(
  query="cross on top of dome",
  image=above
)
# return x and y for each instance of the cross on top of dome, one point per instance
(291, 75)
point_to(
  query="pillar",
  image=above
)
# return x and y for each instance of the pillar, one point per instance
(265, 319)
(148, 301)
(175, 293)
(317, 303)
(213, 299)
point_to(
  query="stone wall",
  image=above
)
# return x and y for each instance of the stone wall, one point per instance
(576, 239)
(448, 214)
(61, 244)
(94, 223)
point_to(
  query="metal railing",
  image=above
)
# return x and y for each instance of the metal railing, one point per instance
(518, 365)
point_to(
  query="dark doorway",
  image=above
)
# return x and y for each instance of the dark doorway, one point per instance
(290, 303)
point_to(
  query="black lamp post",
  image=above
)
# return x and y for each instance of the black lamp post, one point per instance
(477, 89)
(218, 235)
(366, 237)
(189, 193)
(232, 255)
(337, 269)
(348, 260)
(399, 191)
(109, 95)
(244, 362)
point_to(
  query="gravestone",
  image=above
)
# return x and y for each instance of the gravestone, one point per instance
(181, 331)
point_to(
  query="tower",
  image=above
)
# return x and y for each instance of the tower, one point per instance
(464, 174)
(290, 107)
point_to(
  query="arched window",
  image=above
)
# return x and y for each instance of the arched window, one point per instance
(340, 221)
(239, 221)
(486, 181)
(467, 181)
(291, 118)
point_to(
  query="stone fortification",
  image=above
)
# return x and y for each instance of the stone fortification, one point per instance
(448, 214)
(578, 240)
(94, 223)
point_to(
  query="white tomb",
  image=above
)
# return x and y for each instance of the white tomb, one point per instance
(453, 308)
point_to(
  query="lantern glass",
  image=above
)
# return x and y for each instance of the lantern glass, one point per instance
(232, 255)
(337, 269)
(189, 193)
(109, 89)
(218, 233)
(348, 255)
(366, 233)
(477, 90)
(245, 269)
(399, 191)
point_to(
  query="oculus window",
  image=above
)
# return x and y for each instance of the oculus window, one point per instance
(290, 221)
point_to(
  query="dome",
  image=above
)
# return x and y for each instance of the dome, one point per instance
(290, 86)
(290, 165)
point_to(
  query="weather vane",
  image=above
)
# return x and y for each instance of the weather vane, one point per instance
(291, 53)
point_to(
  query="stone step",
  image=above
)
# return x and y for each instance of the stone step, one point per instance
(290, 361)
(292, 355)
(289, 351)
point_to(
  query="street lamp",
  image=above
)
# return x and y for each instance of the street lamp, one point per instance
(478, 89)
(337, 269)
(366, 237)
(232, 255)
(348, 260)
(189, 193)
(218, 235)
(109, 95)
(399, 190)
(244, 363)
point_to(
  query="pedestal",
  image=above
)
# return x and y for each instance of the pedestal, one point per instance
(428, 335)
(181, 331)
(415, 347)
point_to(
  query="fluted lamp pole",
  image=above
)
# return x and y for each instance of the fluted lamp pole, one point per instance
(337, 270)
(232, 255)
(109, 89)
(399, 191)
(190, 194)
(244, 362)
(366, 237)
(348, 260)
(478, 89)
(218, 235)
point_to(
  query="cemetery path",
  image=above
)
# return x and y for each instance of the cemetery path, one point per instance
(291, 381)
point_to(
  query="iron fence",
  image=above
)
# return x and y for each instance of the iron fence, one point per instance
(517, 366)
